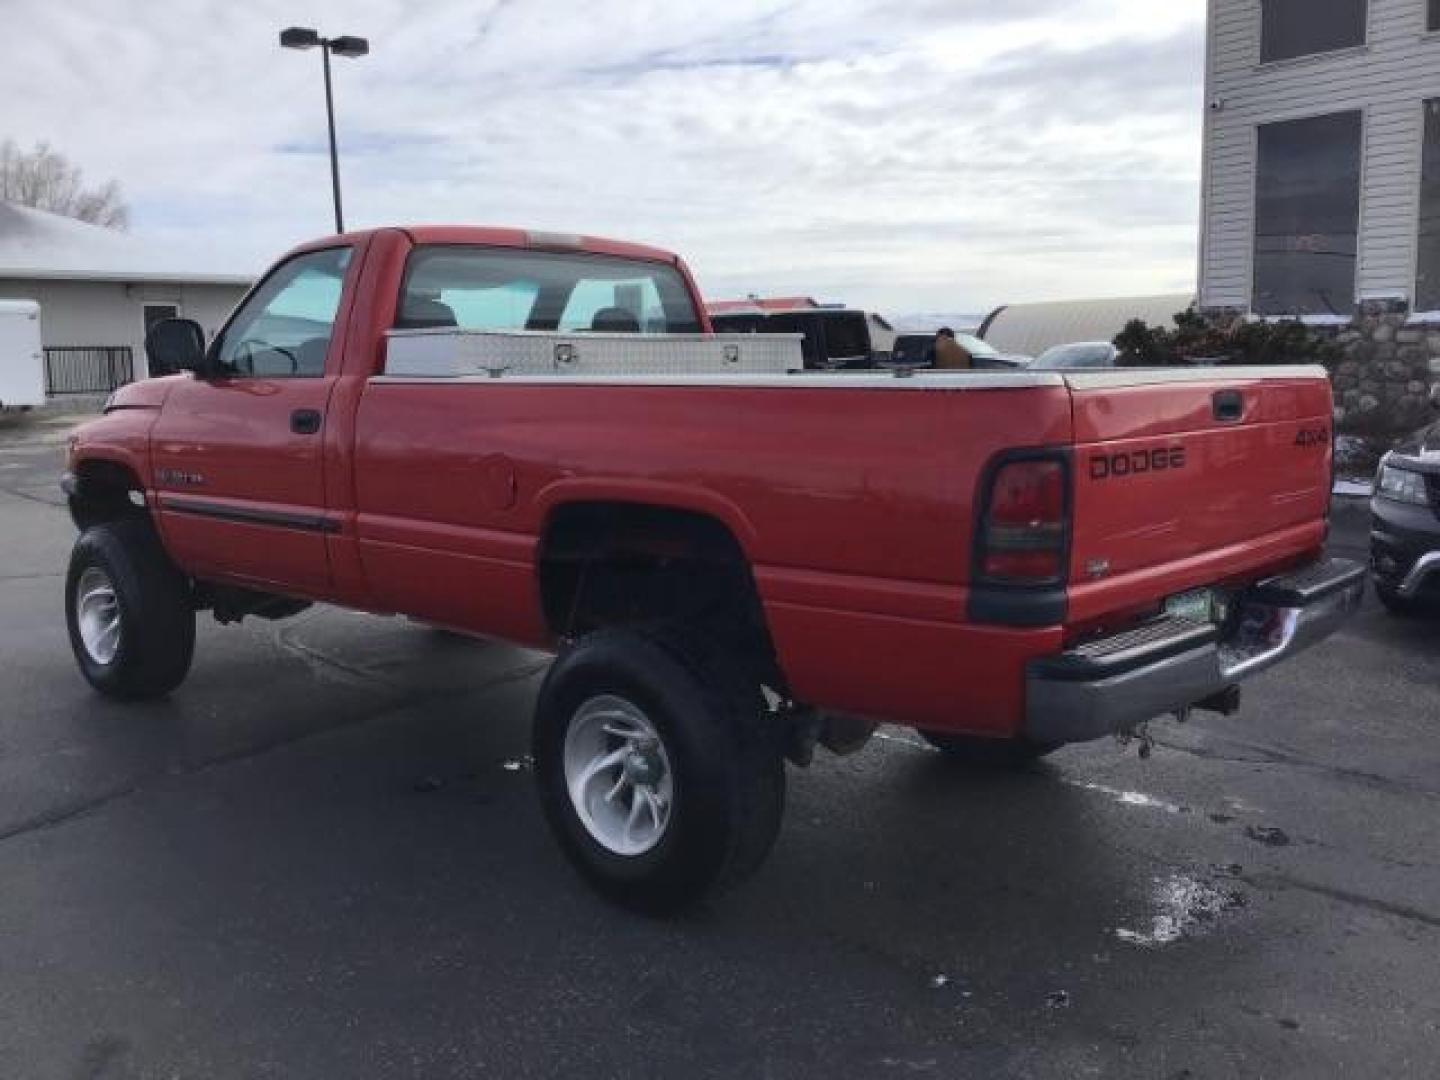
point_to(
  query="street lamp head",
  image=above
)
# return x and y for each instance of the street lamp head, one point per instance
(298, 37)
(349, 46)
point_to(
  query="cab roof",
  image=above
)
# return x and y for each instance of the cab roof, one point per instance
(530, 239)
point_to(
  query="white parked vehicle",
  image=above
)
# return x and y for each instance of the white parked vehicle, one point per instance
(1076, 355)
(882, 335)
(22, 359)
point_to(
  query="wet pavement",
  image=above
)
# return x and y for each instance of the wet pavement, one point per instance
(323, 857)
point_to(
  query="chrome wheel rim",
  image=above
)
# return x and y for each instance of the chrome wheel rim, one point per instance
(618, 774)
(97, 615)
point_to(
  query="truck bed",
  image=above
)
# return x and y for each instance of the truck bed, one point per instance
(870, 618)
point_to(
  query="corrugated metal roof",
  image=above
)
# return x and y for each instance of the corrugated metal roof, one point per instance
(1033, 328)
(39, 245)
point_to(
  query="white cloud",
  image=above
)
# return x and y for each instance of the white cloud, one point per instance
(930, 154)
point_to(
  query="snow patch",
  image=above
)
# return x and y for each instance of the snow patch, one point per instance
(1315, 319)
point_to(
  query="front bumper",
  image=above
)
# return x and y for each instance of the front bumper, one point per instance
(1405, 547)
(1109, 686)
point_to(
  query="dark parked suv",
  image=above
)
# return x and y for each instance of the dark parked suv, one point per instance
(1405, 528)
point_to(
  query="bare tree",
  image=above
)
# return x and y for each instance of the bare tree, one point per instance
(45, 179)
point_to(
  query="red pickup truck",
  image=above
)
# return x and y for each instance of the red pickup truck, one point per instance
(537, 438)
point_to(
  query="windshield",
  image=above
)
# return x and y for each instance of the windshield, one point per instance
(1092, 354)
(913, 349)
(975, 347)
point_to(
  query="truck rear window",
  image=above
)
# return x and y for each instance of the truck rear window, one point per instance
(477, 288)
(846, 336)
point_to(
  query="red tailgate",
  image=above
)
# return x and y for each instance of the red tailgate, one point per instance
(1191, 477)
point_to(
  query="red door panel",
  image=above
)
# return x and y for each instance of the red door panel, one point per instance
(238, 456)
(239, 491)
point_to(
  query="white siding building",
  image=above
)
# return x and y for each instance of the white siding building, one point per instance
(1321, 184)
(99, 291)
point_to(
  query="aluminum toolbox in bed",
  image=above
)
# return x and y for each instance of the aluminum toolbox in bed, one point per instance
(449, 353)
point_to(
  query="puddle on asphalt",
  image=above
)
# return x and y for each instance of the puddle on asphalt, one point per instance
(1184, 907)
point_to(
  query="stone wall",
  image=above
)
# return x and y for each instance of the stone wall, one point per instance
(1388, 363)
(1386, 367)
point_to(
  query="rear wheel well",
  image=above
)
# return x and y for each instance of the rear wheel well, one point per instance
(105, 491)
(608, 564)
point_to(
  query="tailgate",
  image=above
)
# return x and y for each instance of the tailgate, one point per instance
(1191, 477)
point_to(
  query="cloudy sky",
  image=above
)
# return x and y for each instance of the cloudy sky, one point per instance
(908, 155)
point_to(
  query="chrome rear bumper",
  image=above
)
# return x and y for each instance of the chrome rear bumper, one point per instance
(1111, 685)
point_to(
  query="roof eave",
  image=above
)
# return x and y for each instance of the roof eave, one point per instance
(143, 277)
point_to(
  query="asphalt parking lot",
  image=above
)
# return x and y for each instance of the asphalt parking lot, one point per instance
(323, 857)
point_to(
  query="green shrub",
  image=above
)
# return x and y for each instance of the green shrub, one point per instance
(1229, 339)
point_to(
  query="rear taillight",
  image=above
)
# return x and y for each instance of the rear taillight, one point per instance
(1025, 527)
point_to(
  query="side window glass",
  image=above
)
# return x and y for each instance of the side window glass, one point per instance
(846, 337)
(284, 330)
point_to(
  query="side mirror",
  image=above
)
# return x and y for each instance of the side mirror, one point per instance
(173, 345)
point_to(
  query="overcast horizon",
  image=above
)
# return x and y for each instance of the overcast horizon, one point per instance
(927, 156)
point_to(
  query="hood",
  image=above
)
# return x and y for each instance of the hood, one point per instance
(145, 394)
(1420, 451)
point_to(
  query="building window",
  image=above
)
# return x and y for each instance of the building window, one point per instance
(1307, 215)
(158, 313)
(1427, 279)
(1434, 21)
(1292, 28)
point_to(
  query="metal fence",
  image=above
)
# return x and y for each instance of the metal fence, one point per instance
(87, 369)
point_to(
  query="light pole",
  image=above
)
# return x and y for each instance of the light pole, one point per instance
(298, 37)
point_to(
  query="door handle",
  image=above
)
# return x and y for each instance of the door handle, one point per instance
(305, 421)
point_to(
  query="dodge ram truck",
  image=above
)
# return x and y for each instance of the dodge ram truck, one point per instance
(539, 439)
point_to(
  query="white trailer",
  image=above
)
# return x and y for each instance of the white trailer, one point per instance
(22, 358)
